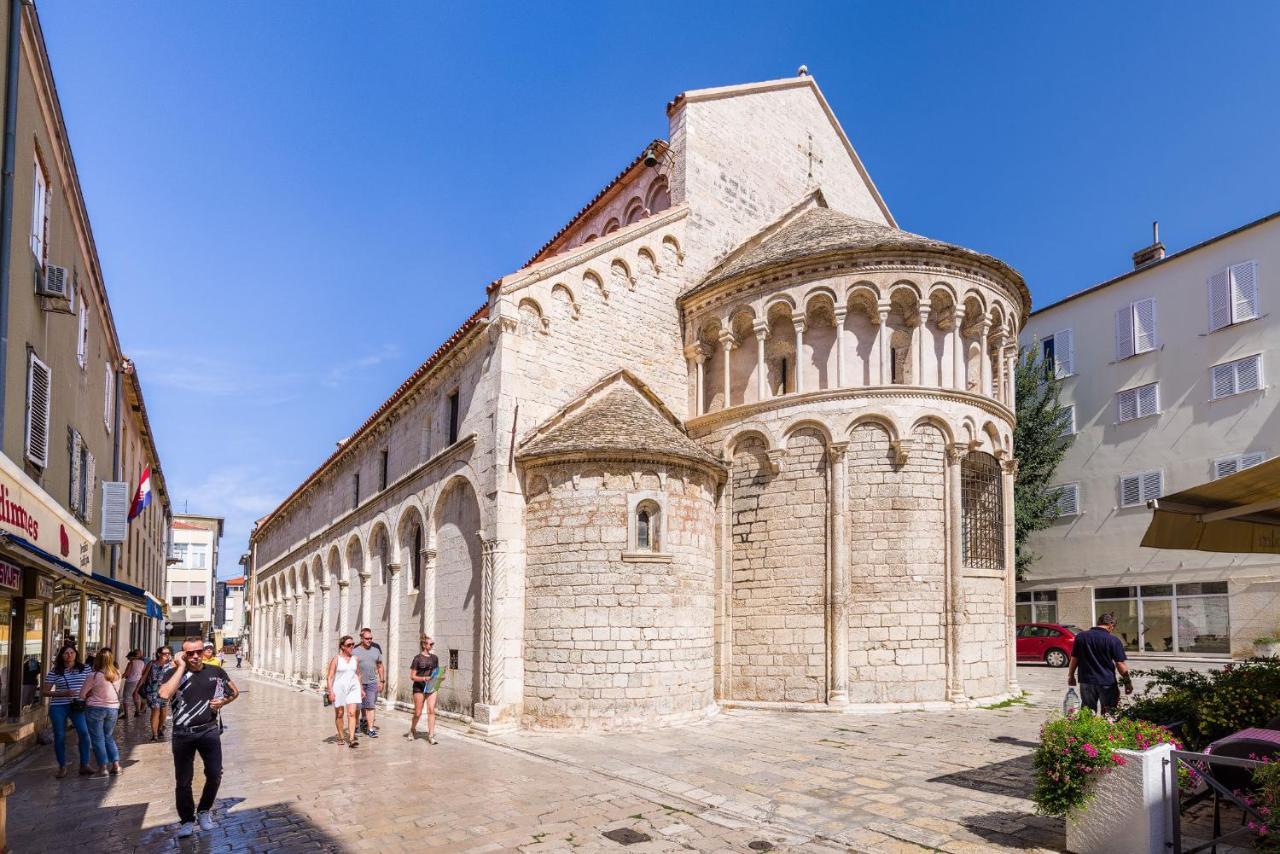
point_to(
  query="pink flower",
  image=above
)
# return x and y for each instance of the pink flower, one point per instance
(1091, 751)
(1119, 760)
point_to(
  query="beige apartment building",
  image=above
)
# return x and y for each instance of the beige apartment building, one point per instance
(74, 432)
(191, 586)
(1166, 369)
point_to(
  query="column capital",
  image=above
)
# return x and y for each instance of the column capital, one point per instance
(901, 450)
(761, 329)
(840, 312)
(427, 554)
(984, 325)
(393, 569)
(324, 587)
(924, 310)
(489, 545)
(727, 341)
(365, 574)
(696, 352)
(344, 583)
(883, 310)
(799, 320)
(776, 458)
(1009, 466)
(837, 450)
(956, 453)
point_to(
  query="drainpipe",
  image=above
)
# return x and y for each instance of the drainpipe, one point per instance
(115, 449)
(6, 188)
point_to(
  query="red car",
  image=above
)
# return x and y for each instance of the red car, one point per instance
(1047, 642)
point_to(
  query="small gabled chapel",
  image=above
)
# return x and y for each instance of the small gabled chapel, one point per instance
(731, 437)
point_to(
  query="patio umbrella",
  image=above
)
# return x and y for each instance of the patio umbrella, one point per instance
(1239, 513)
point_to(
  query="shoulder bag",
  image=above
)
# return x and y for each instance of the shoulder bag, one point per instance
(78, 704)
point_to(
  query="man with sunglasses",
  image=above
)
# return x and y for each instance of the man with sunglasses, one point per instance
(373, 676)
(197, 691)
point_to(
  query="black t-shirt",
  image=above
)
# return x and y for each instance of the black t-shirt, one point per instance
(425, 665)
(190, 705)
(1097, 651)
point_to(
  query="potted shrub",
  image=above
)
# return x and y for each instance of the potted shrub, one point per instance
(1107, 779)
(1267, 646)
(1208, 706)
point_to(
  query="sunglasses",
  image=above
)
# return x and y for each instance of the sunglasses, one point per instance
(349, 643)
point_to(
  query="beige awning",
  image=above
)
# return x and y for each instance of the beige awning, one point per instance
(1239, 513)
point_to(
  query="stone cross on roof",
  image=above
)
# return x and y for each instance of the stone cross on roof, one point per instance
(813, 158)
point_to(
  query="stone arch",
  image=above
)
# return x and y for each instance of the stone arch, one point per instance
(937, 422)
(713, 396)
(820, 339)
(780, 346)
(532, 321)
(992, 433)
(861, 323)
(456, 522)
(612, 225)
(380, 549)
(809, 424)
(634, 211)
(904, 316)
(646, 263)
(353, 558)
(905, 285)
(592, 282)
(658, 197)
(729, 447)
(942, 318)
(883, 421)
(941, 288)
(620, 275)
(672, 255)
(563, 304)
(742, 358)
(411, 540)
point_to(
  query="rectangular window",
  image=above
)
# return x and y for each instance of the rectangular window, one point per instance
(109, 397)
(1136, 328)
(1059, 354)
(1234, 377)
(1233, 295)
(355, 490)
(1227, 466)
(1068, 499)
(1069, 419)
(1138, 489)
(179, 601)
(453, 417)
(180, 552)
(382, 470)
(39, 406)
(197, 600)
(1138, 402)
(39, 212)
(1039, 606)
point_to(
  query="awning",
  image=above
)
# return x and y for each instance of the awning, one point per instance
(1239, 513)
(155, 608)
(137, 594)
(125, 594)
(51, 561)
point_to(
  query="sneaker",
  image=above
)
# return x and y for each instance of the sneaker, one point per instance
(206, 820)
(372, 732)
(187, 828)
(62, 772)
(431, 739)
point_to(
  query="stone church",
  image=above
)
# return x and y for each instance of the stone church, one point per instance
(731, 437)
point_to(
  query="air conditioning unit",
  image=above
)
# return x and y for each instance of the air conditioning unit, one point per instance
(55, 282)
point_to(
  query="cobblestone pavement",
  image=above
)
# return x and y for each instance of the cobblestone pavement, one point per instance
(952, 781)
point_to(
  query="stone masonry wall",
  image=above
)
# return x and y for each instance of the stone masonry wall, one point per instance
(779, 536)
(897, 551)
(612, 643)
(983, 632)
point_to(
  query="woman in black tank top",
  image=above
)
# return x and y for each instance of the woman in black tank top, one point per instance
(425, 674)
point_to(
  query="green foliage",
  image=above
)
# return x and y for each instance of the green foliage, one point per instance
(1209, 706)
(1266, 799)
(1039, 445)
(1075, 750)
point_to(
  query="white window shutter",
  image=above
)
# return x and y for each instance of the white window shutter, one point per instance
(108, 397)
(1224, 380)
(1148, 397)
(90, 480)
(1144, 326)
(1064, 351)
(82, 336)
(1248, 461)
(1069, 499)
(115, 511)
(1219, 301)
(1244, 291)
(39, 406)
(1124, 332)
(1225, 466)
(1069, 419)
(1152, 485)
(1127, 405)
(73, 448)
(1130, 490)
(1249, 374)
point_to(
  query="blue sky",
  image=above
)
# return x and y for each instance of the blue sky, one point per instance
(295, 202)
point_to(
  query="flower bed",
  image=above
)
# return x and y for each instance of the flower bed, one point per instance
(1209, 706)
(1077, 749)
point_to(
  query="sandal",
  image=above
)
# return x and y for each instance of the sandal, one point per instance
(355, 742)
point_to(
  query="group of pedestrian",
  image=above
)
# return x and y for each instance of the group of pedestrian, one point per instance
(89, 697)
(357, 675)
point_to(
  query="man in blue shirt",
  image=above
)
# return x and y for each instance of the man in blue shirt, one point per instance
(1097, 654)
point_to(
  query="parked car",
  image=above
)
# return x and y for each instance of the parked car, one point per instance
(1047, 642)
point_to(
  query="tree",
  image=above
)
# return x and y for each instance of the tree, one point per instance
(1040, 441)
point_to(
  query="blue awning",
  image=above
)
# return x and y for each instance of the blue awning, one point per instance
(45, 556)
(78, 574)
(120, 585)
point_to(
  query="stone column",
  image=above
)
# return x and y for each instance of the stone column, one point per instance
(955, 574)
(344, 607)
(838, 612)
(726, 345)
(325, 631)
(798, 322)
(273, 642)
(840, 314)
(366, 599)
(924, 340)
(700, 356)
(984, 359)
(1011, 374)
(309, 663)
(393, 630)
(428, 592)
(997, 367)
(1009, 472)
(762, 376)
(492, 630)
(292, 622)
(958, 360)
(882, 345)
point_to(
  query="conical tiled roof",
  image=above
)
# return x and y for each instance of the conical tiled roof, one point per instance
(822, 231)
(621, 421)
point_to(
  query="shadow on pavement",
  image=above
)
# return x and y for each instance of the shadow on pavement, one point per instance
(1018, 830)
(1013, 777)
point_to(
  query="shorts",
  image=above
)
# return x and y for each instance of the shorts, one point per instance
(370, 698)
(155, 701)
(1092, 695)
(421, 688)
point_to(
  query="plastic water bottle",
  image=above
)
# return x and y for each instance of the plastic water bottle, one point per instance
(1071, 702)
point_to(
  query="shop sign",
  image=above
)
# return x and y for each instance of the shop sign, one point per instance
(10, 577)
(29, 512)
(38, 586)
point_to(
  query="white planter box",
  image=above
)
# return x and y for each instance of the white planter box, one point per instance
(1130, 808)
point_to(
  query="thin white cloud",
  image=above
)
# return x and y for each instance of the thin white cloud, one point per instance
(341, 374)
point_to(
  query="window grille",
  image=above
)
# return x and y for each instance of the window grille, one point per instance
(981, 511)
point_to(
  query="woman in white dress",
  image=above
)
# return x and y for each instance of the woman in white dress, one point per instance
(344, 691)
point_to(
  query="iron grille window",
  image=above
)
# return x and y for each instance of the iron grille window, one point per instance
(981, 511)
